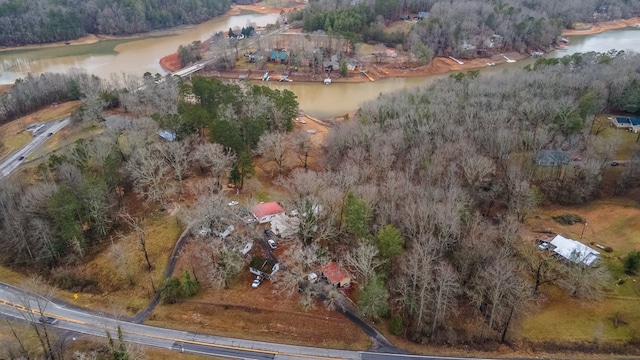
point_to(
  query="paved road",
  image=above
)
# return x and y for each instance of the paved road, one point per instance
(16, 159)
(19, 305)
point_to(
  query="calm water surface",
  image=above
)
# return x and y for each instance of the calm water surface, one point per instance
(135, 56)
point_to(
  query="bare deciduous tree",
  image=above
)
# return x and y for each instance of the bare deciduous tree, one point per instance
(215, 159)
(446, 289)
(178, 156)
(150, 174)
(137, 226)
(35, 297)
(302, 145)
(583, 281)
(274, 146)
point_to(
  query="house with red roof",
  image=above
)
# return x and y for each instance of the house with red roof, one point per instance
(336, 275)
(265, 212)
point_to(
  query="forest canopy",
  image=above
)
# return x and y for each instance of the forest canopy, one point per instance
(42, 21)
(459, 27)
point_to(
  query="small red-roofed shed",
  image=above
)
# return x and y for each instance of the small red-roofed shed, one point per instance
(336, 275)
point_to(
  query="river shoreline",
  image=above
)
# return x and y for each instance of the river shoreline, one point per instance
(598, 28)
(181, 29)
(380, 71)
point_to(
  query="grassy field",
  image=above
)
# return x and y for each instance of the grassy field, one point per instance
(614, 319)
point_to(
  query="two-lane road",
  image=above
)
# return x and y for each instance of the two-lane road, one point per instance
(20, 305)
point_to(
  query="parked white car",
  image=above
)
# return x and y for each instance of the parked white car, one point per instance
(233, 203)
(272, 244)
(256, 282)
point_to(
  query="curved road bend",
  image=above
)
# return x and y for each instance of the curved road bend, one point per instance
(15, 304)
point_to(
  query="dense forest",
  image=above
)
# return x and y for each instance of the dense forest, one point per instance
(423, 193)
(452, 169)
(459, 28)
(42, 21)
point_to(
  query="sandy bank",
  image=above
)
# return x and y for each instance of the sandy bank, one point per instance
(602, 27)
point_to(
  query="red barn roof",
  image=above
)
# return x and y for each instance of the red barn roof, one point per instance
(266, 209)
(335, 274)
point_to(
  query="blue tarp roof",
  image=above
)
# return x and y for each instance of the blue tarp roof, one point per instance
(635, 121)
(623, 120)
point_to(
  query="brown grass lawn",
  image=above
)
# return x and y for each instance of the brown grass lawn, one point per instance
(561, 319)
(612, 222)
(116, 293)
(615, 223)
(402, 26)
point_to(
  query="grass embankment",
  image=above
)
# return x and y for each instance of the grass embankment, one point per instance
(121, 270)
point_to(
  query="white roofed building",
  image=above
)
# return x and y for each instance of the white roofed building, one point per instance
(574, 251)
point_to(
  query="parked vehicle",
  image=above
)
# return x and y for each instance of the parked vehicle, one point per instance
(268, 233)
(272, 244)
(256, 282)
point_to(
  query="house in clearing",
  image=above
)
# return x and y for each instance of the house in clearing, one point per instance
(552, 157)
(167, 135)
(574, 251)
(336, 275)
(265, 212)
(263, 267)
(625, 122)
(620, 122)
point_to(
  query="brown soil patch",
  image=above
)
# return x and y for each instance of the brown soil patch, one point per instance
(260, 9)
(171, 62)
(262, 314)
(5, 88)
(602, 27)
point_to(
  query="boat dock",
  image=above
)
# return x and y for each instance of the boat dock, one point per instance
(367, 75)
(508, 60)
(456, 60)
